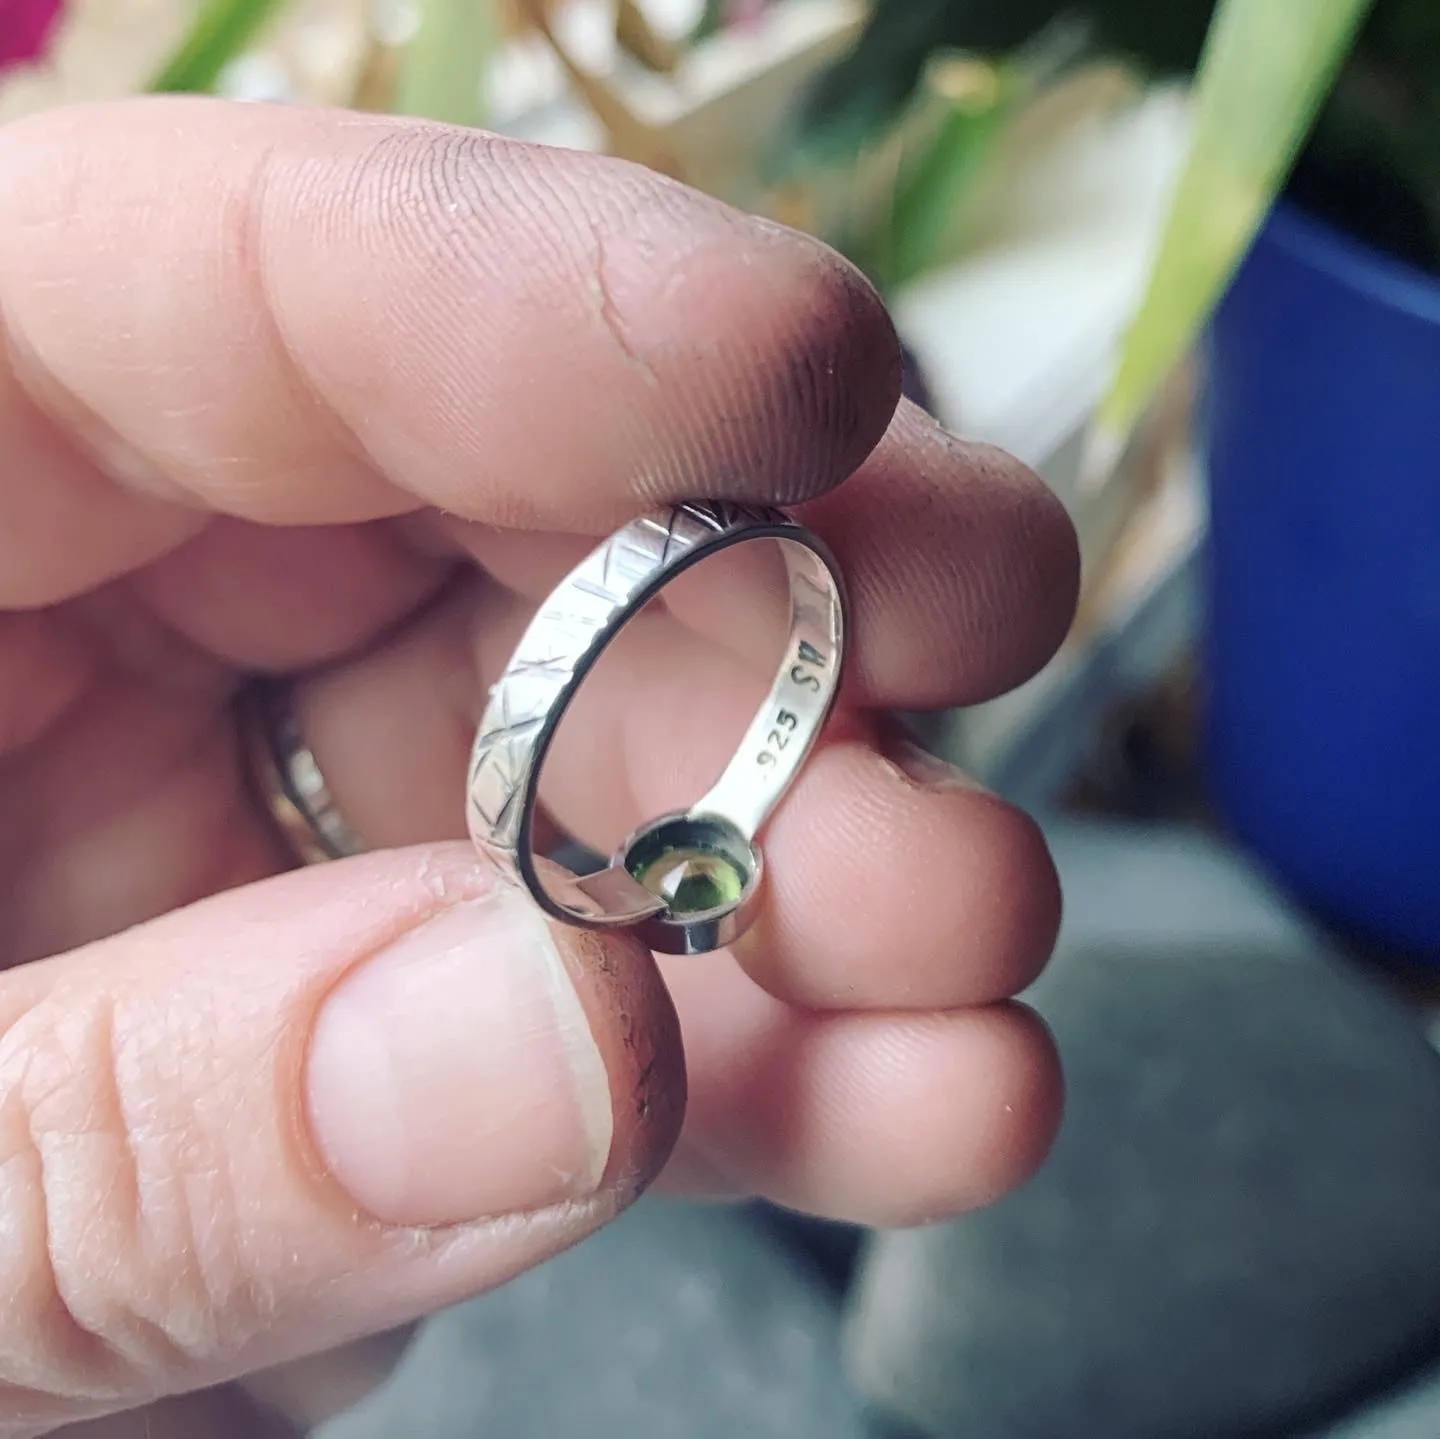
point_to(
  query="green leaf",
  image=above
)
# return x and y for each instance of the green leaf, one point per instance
(443, 70)
(854, 103)
(710, 23)
(1266, 69)
(220, 31)
(932, 184)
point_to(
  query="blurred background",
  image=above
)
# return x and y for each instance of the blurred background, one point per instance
(1184, 259)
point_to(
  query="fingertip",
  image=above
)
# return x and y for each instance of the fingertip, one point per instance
(976, 1115)
(1041, 540)
(778, 358)
(896, 882)
(1021, 1104)
(989, 590)
(556, 1051)
(637, 1030)
(835, 376)
(1012, 869)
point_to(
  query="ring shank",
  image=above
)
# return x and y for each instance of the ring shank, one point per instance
(564, 641)
(787, 724)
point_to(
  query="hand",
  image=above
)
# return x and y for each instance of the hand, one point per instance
(342, 396)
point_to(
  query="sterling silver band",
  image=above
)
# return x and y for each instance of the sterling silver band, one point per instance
(288, 777)
(564, 640)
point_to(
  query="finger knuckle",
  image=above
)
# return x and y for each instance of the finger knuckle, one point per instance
(116, 1268)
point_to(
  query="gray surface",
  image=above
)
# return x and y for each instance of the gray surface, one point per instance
(1240, 1224)
(677, 1322)
(1412, 1411)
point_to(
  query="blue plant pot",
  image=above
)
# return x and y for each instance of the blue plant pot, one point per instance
(1323, 435)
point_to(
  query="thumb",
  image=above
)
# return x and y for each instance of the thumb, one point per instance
(304, 1111)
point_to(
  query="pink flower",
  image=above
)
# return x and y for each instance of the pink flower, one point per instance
(25, 29)
(743, 14)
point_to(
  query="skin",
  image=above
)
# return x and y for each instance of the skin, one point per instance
(341, 397)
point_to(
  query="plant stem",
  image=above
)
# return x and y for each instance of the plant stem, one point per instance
(219, 33)
(442, 72)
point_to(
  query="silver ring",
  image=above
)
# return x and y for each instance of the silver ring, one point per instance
(686, 882)
(288, 778)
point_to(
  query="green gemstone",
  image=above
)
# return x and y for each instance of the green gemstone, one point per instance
(691, 880)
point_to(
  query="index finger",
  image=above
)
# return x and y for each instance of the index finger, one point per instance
(306, 317)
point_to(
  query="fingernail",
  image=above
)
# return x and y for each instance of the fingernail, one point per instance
(454, 1076)
(927, 770)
